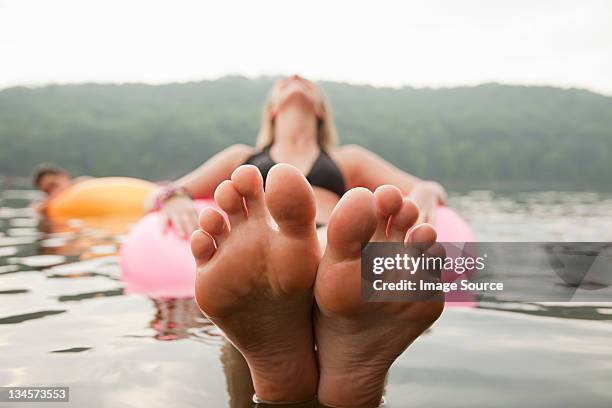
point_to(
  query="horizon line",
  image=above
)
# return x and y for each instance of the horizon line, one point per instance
(41, 85)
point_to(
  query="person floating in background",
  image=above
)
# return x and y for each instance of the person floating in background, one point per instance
(297, 245)
(51, 179)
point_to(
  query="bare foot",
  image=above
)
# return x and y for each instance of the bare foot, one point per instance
(255, 282)
(357, 341)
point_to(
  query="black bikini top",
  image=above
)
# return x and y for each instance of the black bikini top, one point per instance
(324, 172)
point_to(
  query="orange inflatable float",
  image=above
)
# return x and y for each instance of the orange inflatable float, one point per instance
(102, 197)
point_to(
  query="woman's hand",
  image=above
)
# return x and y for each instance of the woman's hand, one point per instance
(427, 195)
(181, 213)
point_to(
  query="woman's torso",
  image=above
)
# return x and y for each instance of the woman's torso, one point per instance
(320, 168)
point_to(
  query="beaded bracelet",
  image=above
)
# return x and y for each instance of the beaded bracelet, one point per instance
(165, 193)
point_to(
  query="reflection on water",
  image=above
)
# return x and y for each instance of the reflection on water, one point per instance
(180, 318)
(20, 318)
(65, 320)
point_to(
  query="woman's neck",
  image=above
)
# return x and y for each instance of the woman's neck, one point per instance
(295, 128)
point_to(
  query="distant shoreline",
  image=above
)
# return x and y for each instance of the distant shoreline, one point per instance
(502, 137)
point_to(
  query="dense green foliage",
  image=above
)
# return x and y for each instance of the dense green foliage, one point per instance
(468, 134)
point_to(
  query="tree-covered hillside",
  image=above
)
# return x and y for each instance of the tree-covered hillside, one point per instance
(469, 134)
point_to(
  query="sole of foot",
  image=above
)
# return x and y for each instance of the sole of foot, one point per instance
(358, 341)
(255, 280)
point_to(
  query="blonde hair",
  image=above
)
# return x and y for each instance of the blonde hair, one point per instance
(327, 135)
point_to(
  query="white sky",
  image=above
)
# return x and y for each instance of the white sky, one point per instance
(385, 43)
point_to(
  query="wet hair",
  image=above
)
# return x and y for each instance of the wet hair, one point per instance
(44, 169)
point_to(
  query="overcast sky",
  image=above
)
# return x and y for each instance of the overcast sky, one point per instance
(384, 43)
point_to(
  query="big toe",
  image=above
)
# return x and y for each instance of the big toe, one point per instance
(290, 200)
(353, 222)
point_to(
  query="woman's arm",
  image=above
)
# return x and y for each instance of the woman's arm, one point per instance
(363, 168)
(202, 182)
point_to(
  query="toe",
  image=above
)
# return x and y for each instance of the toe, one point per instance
(291, 201)
(352, 223)
(214, 224)
(423, 237)
(202, 246)
(403, 220)
(422, 234)
(230, 201)
(388, 203)
(248, 182)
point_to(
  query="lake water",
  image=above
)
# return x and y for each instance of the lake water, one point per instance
(64, 320)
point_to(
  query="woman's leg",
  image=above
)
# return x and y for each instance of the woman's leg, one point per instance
(255, 282)
(358, 341)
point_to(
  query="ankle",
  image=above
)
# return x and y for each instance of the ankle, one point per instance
(361, 388)
(285, 380)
